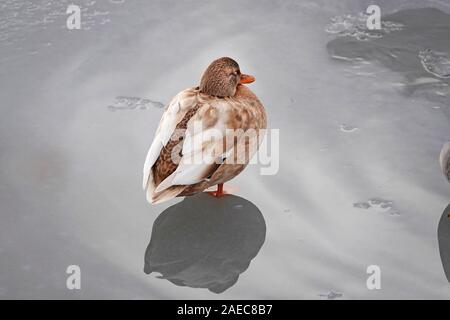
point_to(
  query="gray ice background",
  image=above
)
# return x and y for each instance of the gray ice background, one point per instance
(359, 180)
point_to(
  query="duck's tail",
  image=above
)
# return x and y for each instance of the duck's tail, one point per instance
(157, 197)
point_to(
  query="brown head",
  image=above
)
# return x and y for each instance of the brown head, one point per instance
(222, 77)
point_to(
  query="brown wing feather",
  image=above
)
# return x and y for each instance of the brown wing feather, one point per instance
(164, 166)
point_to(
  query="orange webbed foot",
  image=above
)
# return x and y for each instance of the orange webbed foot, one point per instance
(219, 193)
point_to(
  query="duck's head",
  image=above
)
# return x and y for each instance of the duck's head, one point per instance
(222, 77)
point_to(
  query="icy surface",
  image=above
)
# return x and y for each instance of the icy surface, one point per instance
(355, 26)
(70, 169)
(436, 63)
(378, 205)
(348, 128)
(331, 295)
(132, 103)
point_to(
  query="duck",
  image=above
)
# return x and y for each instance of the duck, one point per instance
(206, 136)
(444, 160)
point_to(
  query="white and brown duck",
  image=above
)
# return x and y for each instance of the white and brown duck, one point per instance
(225, 110)
(444, 160)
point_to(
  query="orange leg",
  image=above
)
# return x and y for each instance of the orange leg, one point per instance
(219, 193)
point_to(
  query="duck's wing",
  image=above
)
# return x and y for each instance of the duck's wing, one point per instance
(173, 114)
(444, 160)
(209, 139)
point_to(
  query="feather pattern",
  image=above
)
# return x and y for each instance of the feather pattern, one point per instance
(204, 145)
(444, 160)
(173, 114)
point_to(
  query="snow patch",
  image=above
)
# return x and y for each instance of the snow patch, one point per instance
(355, 26)
(377, 205)
(133, 103)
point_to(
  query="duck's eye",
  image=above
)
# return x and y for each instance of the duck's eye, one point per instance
(234, 74)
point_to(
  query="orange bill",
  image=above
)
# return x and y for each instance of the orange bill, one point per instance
(245, 78)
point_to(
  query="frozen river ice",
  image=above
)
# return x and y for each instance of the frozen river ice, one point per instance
(362, 118)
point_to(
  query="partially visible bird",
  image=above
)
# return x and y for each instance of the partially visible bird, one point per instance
(444, 160)
(225, 110)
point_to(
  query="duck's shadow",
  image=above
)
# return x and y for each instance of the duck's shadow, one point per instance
(205, 242)
(444, 241)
